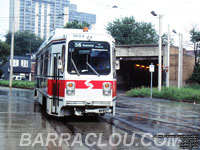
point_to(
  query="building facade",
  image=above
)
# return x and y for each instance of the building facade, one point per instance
(21, 68)
(42, 16)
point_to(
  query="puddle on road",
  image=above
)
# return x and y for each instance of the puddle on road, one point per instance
(18, 101)
(19, 113)
(160, 115)
(16, 93)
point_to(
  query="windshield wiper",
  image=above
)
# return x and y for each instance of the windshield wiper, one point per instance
(75, 67)
(93, 69)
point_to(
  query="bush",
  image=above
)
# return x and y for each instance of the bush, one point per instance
(18, 84)
(195, 77)
(187, 94)
(193, 86)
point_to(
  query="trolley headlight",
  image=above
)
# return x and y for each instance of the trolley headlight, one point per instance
(106, 88)
(70, 88)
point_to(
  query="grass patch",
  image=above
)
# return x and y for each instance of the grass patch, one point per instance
(189, 93)
(18, 84)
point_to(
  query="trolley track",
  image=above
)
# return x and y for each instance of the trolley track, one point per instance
(150, 103)
(121, 123)
(126, 107)
(68, 123)
(74, 130)
(165, 122)
(110, 120)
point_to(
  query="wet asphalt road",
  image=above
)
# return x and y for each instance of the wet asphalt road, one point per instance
(21, 113)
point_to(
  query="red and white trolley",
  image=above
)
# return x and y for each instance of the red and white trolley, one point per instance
(75, 73)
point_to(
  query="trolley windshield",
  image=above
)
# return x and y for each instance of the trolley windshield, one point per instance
(89, 58)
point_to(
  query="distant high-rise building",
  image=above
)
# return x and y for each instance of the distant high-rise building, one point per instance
(42, 16)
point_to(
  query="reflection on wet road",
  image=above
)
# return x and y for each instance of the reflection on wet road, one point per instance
(160, 115)
(21, 113)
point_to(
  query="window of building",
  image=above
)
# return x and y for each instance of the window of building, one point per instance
(24, 63)
(15, 62)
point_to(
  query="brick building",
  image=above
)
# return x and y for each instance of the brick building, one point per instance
(188, 65)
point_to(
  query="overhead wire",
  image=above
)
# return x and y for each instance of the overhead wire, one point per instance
(108, 6)
(176, 6)
(100, 3)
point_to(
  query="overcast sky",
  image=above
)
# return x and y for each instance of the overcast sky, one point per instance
(180, 14)
(4, 17)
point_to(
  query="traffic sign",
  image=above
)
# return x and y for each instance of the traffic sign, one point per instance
(151, 68)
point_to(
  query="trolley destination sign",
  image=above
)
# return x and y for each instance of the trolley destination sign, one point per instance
(99, 45)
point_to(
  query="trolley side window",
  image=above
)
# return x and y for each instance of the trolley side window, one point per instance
(63, 58)
(89, 58)
(46, 60)
(41, 65)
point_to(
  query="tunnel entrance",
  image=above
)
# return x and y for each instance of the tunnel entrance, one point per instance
(135, 73)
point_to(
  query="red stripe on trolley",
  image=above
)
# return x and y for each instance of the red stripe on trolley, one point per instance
(79, 84)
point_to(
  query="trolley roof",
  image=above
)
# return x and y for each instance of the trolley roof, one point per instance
(61, 33)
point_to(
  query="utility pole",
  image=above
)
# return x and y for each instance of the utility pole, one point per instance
(180, 62)
(160, 55)
(159, 51)
(12, 46)
(168, 57)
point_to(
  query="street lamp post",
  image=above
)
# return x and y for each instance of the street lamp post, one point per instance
(159, 52)
(12, 47)
(180, 60)
(168, 57)
(11, 57)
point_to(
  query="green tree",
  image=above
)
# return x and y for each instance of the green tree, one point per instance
(128, 31)
(195, 39)
(4, 51)
(165, 39)
(195, 77)
(25, 42)
(76, 25)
